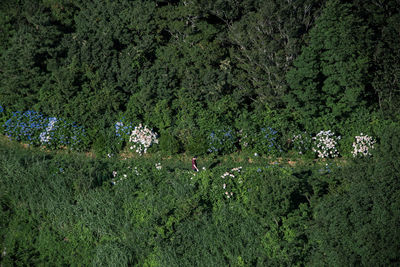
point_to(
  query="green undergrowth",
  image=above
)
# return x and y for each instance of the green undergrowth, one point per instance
(241, 210)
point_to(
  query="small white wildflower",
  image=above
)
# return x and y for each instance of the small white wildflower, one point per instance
(158, 166)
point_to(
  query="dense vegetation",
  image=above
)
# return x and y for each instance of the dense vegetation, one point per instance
(75, 210)
(143, 85)
(190, 68)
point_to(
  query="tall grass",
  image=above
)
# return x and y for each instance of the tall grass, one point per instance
(70, 209)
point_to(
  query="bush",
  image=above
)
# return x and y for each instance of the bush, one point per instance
(3, 118)
(388, 152)
(222, 141)
(63, 134)
(263, 141)
(142, 138)
(2, 113)
(36, 129)
(325, 144)
(123, 130)
(196, 144)
(169, 144)
(26, 126)
(267, 142)
(363, 145)
(302, 143)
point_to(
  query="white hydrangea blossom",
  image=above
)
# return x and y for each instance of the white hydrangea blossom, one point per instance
(142, 138)
(324, 144)
(362, 145)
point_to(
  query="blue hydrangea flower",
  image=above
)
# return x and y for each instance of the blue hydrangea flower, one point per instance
(123, 129)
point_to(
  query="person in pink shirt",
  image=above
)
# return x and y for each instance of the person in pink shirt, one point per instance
(194, 164)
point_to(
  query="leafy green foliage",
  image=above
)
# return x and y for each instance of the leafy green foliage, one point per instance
(191, 68)
(353, 224)
(263, 70)
(266, 41)
(70, 209)
(329, 81)
(169, 144)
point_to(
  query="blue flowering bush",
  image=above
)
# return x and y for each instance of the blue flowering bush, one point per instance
(263, 141)
(25, 126)
(38, 130)
(222, 141)
(267, 142)
(123, 129)
(64, 134)
(2, 115)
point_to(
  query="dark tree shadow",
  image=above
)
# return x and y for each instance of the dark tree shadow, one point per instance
(214, 164)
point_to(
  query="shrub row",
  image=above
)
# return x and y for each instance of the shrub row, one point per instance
(37, 129)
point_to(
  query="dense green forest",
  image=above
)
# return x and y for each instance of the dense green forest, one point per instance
(111, 99)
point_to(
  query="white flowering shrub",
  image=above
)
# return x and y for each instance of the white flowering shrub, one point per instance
(142, 138)
(229, 181)
(324, 144)
(362, 145)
